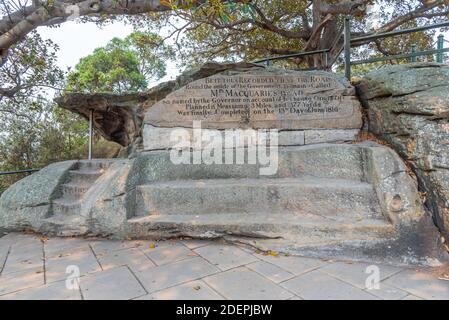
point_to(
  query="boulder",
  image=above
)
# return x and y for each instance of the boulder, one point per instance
(118, 117)
(408, 107)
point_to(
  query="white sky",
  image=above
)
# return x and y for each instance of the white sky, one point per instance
(76, 40)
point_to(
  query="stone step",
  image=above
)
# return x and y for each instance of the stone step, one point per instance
(99, 164)
(306, 195)
(305, 229)
(85, 176)
(65, 206)
(66, 225)
(323, 160)
(74, 191)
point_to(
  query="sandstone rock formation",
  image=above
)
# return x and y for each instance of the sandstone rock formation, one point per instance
(408, 106)
(119, 118)
(339, 199)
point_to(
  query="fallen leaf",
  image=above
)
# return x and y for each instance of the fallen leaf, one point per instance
(273, 253)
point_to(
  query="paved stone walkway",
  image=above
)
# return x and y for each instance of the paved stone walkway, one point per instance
(35, 268)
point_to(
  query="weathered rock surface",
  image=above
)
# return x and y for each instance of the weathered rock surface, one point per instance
(408, 106)
(345, 200)
(28, 203)
(261, 98)
(117, 118)
(156, 138)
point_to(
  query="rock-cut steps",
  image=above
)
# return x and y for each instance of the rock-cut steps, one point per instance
(80, 180)
(320, 194)
(67, 210)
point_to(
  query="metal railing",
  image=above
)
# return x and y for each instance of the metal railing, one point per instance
(349, 42)
(3, 173)
(325, 53)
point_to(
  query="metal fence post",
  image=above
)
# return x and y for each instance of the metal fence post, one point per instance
(91, 133)
(440, 46)
(414, 49)
(347, 47)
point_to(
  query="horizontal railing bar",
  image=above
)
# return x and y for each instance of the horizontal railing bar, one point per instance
(293, 55)
(399, 32)
(400, 56)
(18, 171)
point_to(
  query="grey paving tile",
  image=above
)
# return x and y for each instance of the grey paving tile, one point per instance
(21, 280)
(24, 256)
(167, 252)
(194, 290)
(193, 243)
(317, 285)
(293, 264)
(412, 297)
(105, 246)
(270, 271)
(56, 247)
(26, 252)
(225, 257)
(162, 277)
(356, 273)
(131, 257)
(56, 267)
(387, 292)
(19, 238)
(242, 283)
(3, 254)
(114, 284)
(423, 285)
(54, 291)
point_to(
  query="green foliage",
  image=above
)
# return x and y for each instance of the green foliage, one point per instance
(123, 65)
(250, 30)
(51, 135)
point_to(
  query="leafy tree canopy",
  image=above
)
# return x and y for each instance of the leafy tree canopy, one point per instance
(122, 65)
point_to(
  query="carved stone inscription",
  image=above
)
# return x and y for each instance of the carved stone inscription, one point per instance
(263, 100)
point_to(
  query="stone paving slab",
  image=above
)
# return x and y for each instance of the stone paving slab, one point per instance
(128, 257)
(106, 246)
(244, 284)
(420, 284)
(167, 252)
(21, 280)
(56, 247)
(270, 271)
(194, 269)
(195, 290)
(225, 257)
(387, 292)
(317, 285)
(56, 267)
(53, 291)
(165, 276)
(295, 265)
(4, 250)
(193, 243)
(357, 273)
(115, 284)
(24, 254)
